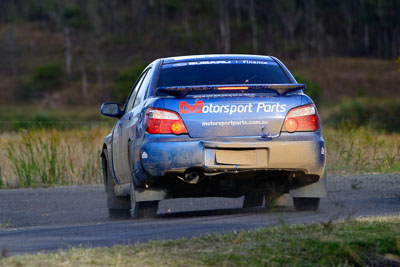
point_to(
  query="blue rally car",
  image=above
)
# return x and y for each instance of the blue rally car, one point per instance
(213, 125)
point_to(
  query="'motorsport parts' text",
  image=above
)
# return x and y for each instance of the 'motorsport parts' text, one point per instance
(200, 107)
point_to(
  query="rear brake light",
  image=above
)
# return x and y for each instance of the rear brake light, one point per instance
(302, 119)
(233, 88)
(161, 121)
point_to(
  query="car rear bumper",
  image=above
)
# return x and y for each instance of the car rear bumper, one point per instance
(162, 154)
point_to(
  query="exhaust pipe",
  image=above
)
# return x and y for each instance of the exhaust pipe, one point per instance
(193, 176)
(190, 176)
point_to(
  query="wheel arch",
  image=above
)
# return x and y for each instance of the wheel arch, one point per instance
(104, 163)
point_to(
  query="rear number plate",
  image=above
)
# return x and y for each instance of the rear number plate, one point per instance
(236, 157)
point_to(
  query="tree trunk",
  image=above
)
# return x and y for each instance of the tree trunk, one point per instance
(396, 44)
(312, 22)
(393, 44)
(99, 75)
(111, 6)
(238, 13)
(186, 17)
(84, 82)
(348, 16)
(320, 36)
(186, 25)
(365, 28)
(134, 13)
(254, 36)
(224, 25)
(163, 26)
(290, 16)
(366, 38)
(138, 14)
(11, 45)
(68, 51)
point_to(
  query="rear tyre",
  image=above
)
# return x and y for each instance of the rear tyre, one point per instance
(118, 207)
(253, 200)
(142, 209)
(306, 203)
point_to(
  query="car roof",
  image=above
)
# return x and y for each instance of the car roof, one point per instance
(170, 60)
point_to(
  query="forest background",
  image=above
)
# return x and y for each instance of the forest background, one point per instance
(61, 59)
(79, 52)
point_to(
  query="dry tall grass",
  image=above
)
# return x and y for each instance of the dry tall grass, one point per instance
(361, 150)
(60, 157)
(46, 157)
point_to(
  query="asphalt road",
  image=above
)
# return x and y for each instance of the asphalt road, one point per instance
(47, 219)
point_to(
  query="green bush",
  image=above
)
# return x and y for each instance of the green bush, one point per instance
(38, 120)
(74, 16)
(378, 114)
(314, 90)
(46, 79)
(125, 80)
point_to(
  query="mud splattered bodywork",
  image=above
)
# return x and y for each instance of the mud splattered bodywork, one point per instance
(216, 125)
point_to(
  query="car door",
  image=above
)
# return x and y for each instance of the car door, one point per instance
(129, 130)
(118, 147)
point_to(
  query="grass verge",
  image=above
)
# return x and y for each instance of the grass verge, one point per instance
(51, 157)
(361, 150)
(372, 241)
(44, 157)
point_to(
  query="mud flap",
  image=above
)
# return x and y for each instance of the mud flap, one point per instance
(317, 189)
(150, 194)
(139, 194)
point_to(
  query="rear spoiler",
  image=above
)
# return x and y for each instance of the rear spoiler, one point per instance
(182, 91)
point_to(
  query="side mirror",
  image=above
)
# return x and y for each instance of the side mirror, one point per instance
(111, 110)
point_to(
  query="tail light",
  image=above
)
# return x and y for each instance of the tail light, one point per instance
(160, 121)
(302, 119)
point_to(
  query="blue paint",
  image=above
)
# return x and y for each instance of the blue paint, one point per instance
(214, 118)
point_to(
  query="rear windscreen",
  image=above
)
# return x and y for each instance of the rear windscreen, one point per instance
(221, 73)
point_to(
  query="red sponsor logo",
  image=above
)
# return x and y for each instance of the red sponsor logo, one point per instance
(185, 108)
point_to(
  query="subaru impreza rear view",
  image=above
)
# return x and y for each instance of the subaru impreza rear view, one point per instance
(223, 125)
